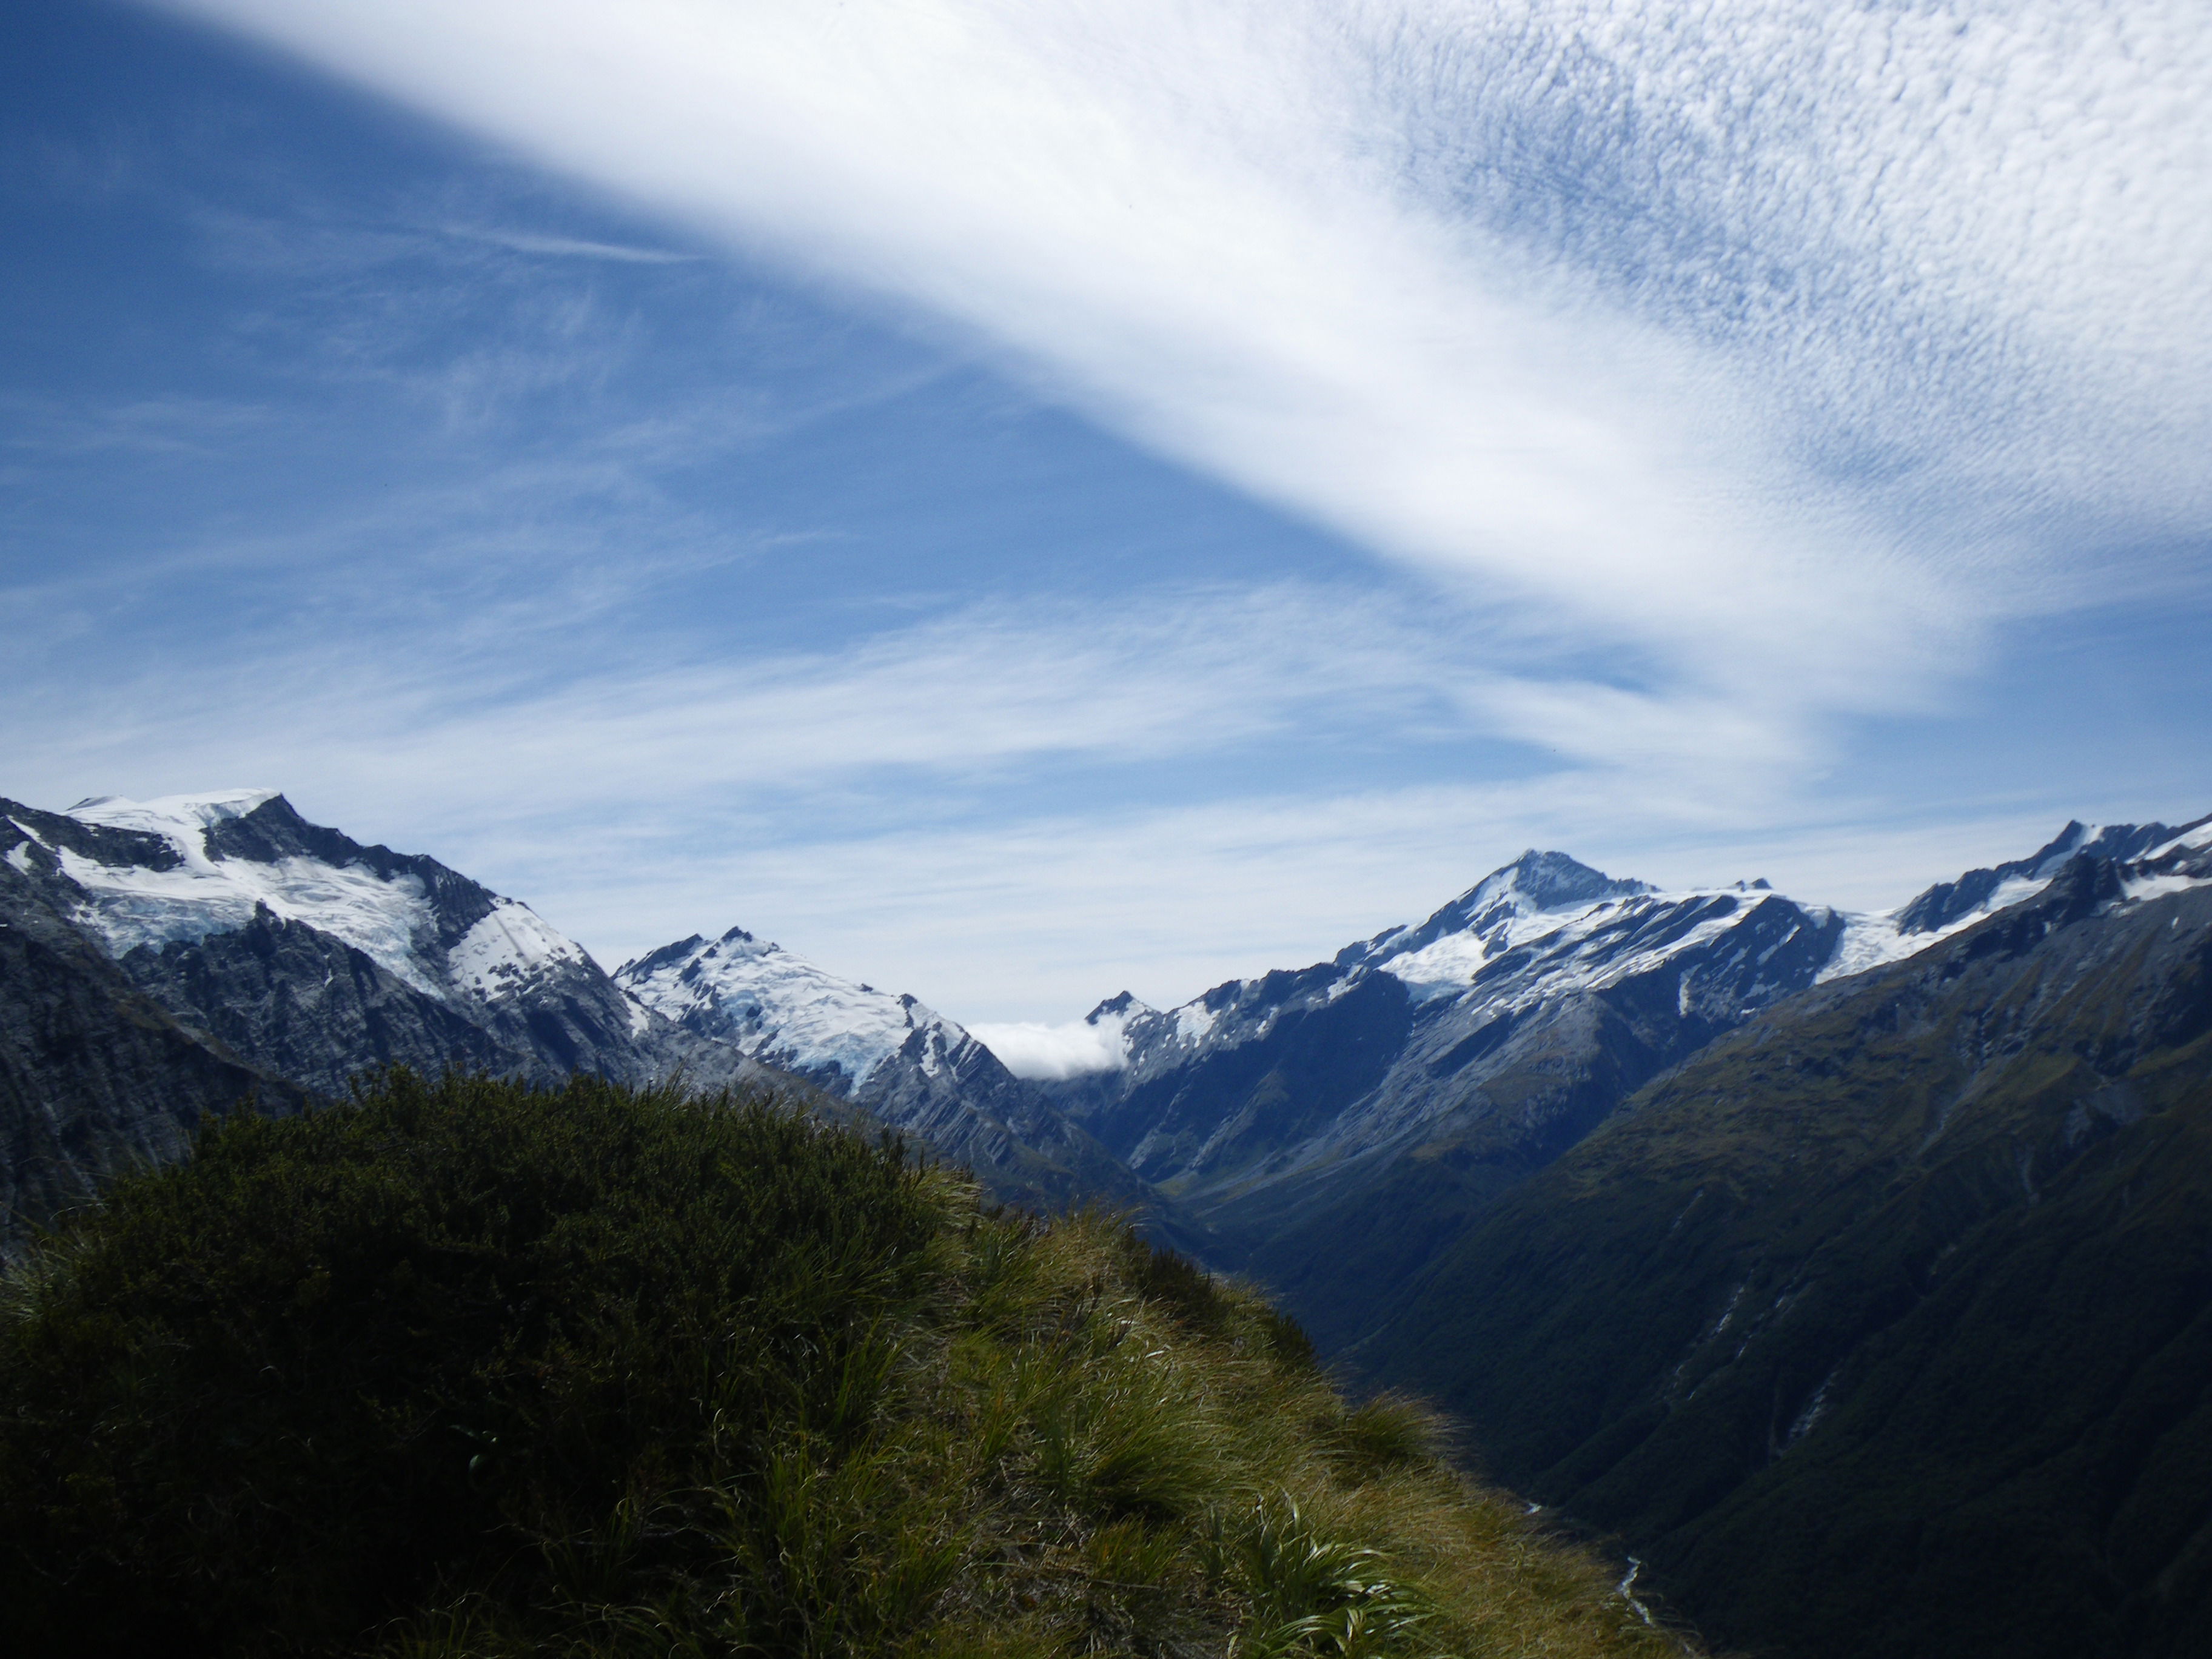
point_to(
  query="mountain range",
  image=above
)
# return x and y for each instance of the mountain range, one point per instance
(1883, 1324)
(1330, 1128)
(1679, 1199)
(242, 950)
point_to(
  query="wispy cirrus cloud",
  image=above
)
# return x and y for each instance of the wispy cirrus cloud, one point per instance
(569, 247)
(145, 426)
(960, 696)
(1785, 350)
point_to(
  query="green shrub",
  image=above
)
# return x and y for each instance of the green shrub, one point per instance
(336, 1363)
(1312, 1594)
(467, 1369)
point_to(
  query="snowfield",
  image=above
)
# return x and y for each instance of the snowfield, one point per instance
(390, 920)
(781, 1009)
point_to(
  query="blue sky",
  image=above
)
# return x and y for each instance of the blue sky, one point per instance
(1020, 501)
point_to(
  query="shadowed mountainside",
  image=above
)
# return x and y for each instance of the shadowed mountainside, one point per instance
(95, 1076)
(1883, 1327)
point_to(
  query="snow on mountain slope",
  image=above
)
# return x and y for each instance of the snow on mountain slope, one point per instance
(1529, 956)
(316, 957)
(507, 949)
(907, 1065)
(131, 904)
(379, 904)
(1875, 940)
(1571, 918)
(1522, 901)
(1544, 926)
(2181, 862)
(2193, 838)
(783, 1010)
(1872, 941)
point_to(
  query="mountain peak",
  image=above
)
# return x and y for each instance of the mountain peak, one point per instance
(1534, 882)
(779, 1007)
(174, 815)
(1123, 1006)
(1553, 881)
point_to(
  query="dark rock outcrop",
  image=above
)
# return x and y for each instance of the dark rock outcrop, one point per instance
(94, 1075)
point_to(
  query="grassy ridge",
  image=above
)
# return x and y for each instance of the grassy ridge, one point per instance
(465, 1369)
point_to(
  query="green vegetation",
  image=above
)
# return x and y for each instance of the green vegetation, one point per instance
(464, 1369)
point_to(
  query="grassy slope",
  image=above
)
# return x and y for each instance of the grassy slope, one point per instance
(1886, 1325)
(466, 1370)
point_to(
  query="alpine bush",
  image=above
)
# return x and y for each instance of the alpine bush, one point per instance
(465, 1369)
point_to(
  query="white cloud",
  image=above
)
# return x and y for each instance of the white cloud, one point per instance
(464, 711)
(1672, 326)
(166, 426)
(568, 247)
(1029, 1049)
(1948, 243)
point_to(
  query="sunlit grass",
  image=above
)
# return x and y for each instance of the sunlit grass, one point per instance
(465, 1369)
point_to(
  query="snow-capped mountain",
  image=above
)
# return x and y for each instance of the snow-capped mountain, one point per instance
(1378, 1095)
(268, 953)
(907, 1065)
(206, 864)
(786, 1012)
(1516, 1015)
(1407, 1078)
(160, 959)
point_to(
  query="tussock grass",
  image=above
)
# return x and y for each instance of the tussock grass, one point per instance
(465, 1369)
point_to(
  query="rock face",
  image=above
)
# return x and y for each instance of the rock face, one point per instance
(94, 1075)
(1883, 1326)
(902, 1063)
